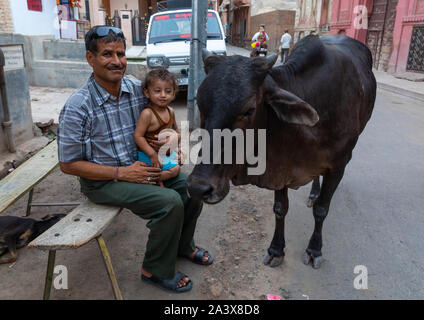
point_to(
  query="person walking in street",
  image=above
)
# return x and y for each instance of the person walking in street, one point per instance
(285, 46)
(96, 143)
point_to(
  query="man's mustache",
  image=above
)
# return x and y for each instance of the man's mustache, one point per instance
(114, 67)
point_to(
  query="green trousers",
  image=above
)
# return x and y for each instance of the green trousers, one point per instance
(171, 213)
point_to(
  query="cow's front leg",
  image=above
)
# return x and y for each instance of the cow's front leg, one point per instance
(320, 210)
(275, 253)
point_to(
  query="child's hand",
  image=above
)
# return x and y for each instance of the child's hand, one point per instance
(156, 161)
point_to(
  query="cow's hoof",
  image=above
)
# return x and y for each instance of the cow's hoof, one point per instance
(309, 258)
(316, 262)
(272, 261)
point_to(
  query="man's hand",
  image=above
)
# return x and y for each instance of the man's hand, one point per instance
(139, 172)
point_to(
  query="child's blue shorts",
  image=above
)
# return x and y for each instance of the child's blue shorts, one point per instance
(168, 161)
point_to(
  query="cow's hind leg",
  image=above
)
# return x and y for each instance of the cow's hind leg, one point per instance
(320, 210)
(275, 253)
(315, 190)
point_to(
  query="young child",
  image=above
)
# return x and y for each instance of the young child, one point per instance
(160, 87)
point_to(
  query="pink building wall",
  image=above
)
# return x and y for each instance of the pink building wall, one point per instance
(409, 13)
(343, 18)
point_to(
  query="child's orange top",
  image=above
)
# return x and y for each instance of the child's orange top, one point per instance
(163, 125)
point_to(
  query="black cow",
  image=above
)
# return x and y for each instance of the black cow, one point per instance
(314, 107)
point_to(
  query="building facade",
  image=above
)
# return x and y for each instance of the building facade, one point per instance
(6, 22)
(132, 16)
(394, 31)
(239, 22)
(312, 17)
(344, 18)
(276, 22)
(380, 31)
(60, 18)
(242, 18)
(369, 21)
(277, 16)
(20, 16)
(408, 38)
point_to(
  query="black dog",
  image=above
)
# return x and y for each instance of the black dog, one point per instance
(17, 232)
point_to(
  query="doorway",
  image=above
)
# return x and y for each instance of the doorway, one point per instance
(380, 32)
(242, 32)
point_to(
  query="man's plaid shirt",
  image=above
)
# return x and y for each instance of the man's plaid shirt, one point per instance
(95, 126)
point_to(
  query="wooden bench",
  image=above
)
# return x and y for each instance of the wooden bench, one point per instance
(84, 223)
(27, 176)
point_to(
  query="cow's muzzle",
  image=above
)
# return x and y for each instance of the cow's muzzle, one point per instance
(206, 189)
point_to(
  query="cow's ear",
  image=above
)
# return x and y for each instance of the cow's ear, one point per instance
(290, 108)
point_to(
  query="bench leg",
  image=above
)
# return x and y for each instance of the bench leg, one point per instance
(28, 210)
(49, 274)
(109, 268)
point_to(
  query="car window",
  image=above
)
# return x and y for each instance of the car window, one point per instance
(177, 26)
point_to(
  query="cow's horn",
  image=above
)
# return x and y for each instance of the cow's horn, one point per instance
(206, 53)
(271, 60)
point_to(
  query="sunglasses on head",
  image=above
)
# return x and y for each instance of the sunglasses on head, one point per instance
(105, 30)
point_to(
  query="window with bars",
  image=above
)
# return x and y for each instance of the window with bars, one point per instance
(415, 60)
(35, 5)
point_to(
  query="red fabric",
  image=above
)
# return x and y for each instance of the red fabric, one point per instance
(35, 5)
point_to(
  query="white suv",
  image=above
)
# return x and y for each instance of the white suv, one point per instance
(168, 41)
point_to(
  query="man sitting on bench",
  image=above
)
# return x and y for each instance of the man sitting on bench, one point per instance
(96, 143)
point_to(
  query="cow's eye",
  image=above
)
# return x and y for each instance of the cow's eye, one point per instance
(249, 112)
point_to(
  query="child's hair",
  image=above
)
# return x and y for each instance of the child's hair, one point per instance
(160, 74)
